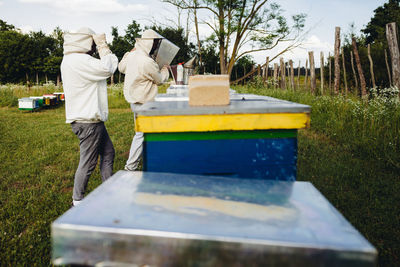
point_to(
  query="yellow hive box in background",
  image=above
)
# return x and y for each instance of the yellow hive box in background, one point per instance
(209, 90)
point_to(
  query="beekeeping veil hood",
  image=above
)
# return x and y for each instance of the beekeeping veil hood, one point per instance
(79, 41)
(157, 47)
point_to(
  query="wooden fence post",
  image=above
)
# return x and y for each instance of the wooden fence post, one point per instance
(388, 69)
(344, 73)
(298, 76)
(354, 71)
(312, 72)
(391, 36)
(291, 74)
(359, 68)
(275, 74)
(305, 78)
(371, 66)
(283, 74)
(287, 75)
(322, 64)
(266, 70)
(337, 65)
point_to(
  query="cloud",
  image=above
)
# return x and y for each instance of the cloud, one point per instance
(89, 6)
(25, 29)
(299, 54)
(314, 43)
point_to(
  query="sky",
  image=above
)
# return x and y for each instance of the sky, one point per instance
(100, 15)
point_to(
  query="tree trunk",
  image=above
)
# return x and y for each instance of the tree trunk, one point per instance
(283, 74)
(37, 78)
(58, 80)
(196, 24)
(275, 74)
(258, 70)
(236, 75)
(391, 35)
(344, 73)
(266, 70)
(305, 79)
(354, 71)
(371, 66)
(359, 68)
(119, 77)
(388, 69)
(337, 65)
(221, 18)
(112, 79)
(27, 79)
(47, 80)
(291, 74)
(322, 64)
(312, 72)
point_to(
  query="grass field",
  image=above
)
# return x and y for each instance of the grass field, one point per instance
(351, 154)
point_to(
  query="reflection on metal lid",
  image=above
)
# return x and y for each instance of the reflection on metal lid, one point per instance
(166, 219)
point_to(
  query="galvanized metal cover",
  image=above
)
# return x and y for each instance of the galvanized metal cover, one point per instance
(171, 104)
(163, 219)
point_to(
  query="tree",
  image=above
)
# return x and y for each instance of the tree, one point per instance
(15, 56)
(6, 27)
(132, 32)
(210, 56)
(242, 27)
(53, 62)
(119, 45)
(42, 46)
(375, 29)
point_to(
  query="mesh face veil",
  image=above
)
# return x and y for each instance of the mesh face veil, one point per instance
(154, 49)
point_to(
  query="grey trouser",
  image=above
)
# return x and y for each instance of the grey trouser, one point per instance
(93, 142)
(135, 153)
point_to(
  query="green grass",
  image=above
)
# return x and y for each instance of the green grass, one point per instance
(346, 154)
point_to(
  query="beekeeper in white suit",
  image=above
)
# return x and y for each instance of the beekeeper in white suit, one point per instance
(86, 106)
(142, 75)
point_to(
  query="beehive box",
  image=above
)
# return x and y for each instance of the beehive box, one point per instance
(60, 96)
(49, 100)
(39, 100)
(27, 103)
(165, 219)
(252, 137)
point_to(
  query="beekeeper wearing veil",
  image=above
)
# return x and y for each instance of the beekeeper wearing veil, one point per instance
(142, 66)
(86, 106)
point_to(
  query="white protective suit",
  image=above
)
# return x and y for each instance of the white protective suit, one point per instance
(86, 105)
(142, 73)
(85, 78)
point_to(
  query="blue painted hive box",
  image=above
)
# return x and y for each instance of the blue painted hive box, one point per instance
(253, 137)
(164, 219)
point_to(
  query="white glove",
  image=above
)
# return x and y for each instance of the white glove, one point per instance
(102, 46)
(164, 73)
